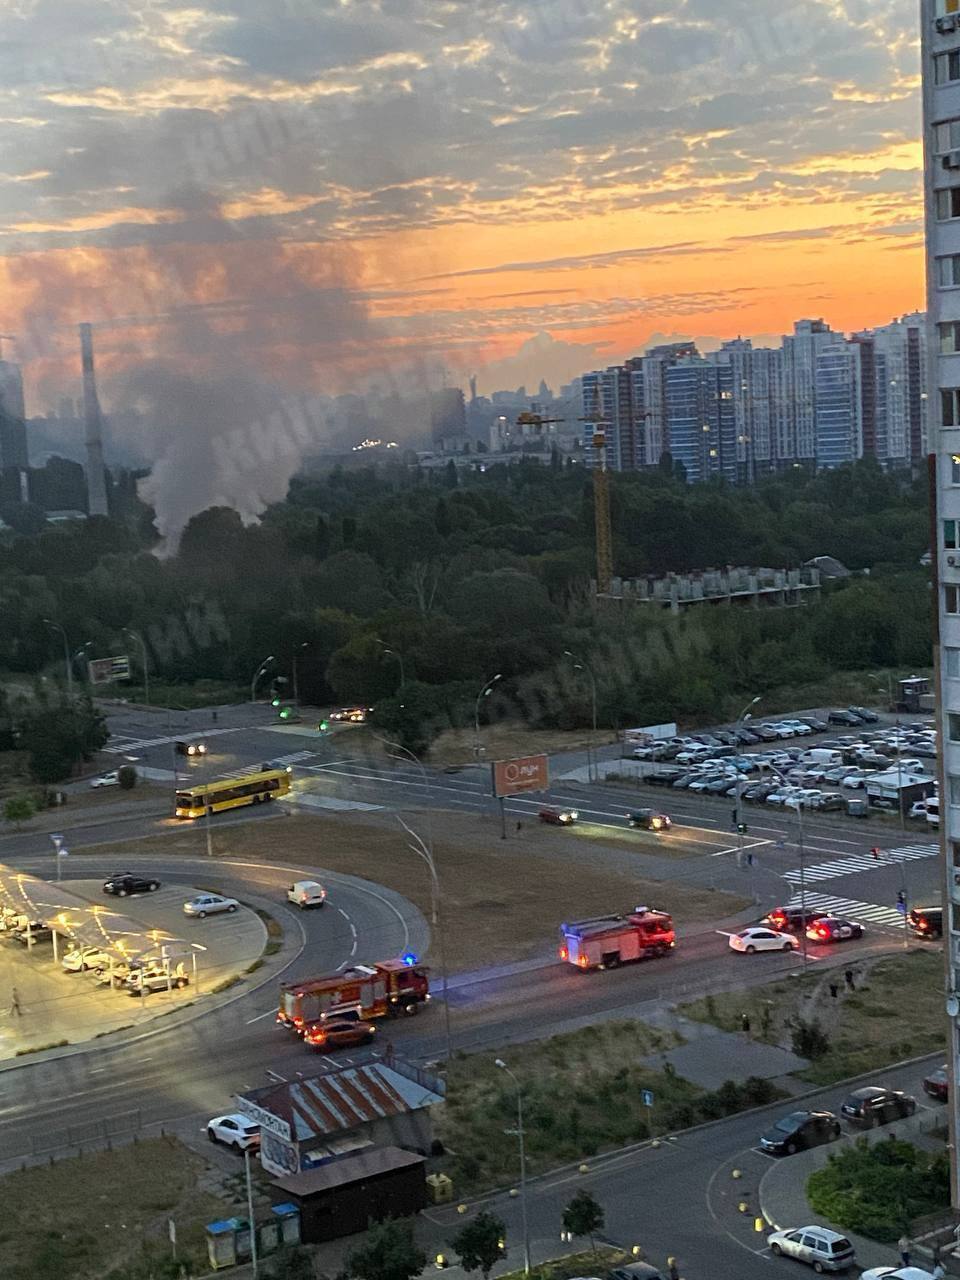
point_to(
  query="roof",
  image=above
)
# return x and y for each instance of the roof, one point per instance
(602, 924)
(829, 566)
(339, 1173)
(337, 1101)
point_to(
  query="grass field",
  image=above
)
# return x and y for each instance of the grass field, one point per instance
(510, 738)
(85, 1217)
(502, 899)
(582, 1094)
(896, 1012)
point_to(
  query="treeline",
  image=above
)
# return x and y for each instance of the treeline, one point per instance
(465, 578)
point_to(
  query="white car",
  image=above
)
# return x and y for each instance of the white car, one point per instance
(307, 893)
(757, 938)
(209, 904)
(239, 1132)
(79, 959)
(823, 1249)
(854, 781)
(918, 810)
(896, 1273)
(106, 780)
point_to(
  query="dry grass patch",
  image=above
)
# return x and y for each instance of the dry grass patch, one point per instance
(503, 899)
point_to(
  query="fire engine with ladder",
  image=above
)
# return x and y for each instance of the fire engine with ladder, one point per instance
(380, 990)
(606, 942)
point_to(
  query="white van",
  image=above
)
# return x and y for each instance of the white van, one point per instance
(823, 756)
(933, 810)
(307, 893)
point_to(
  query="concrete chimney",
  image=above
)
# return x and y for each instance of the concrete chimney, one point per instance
(96, 477)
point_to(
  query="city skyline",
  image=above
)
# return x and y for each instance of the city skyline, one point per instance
(517, 192)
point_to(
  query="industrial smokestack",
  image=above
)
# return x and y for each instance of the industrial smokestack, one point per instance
(96, 478)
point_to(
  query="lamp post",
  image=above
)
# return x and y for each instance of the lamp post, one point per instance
(296, 686)
(135, 635)
(499, 1062)
(741, 719)
(896, 714)
(256, 676)
(580, 665)
(80, 653)
(56, 626)
(485, 692)
(803, 884)
(394, 653)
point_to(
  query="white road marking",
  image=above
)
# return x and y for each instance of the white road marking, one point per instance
(855, 863)
(849, 908)
(260, 1017)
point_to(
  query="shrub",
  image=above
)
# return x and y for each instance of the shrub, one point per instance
(808, 1039)
(127, 777)
(879, 1190)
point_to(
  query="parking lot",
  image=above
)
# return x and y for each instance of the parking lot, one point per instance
(48, 999)
(847, 761)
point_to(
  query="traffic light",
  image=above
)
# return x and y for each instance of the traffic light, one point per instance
(275, 702)
(742, 828)
(323, 726)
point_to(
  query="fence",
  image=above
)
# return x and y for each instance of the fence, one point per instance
(77, 1138)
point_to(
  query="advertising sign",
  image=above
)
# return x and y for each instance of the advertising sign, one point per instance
(106, 670)
(277, 1156)
(268, 1122)
(515, 777)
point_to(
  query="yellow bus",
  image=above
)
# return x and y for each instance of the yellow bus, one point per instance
(230, 793)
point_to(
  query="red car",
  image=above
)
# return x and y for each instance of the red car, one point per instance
(558, 817)
(937, 1084)
(338, 1033)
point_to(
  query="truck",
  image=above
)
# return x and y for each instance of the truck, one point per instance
(386, 989)
(606, 942)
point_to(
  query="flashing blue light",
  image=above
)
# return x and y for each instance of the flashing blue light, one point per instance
(408, 958)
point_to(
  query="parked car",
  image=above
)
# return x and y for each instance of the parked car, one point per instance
(843, 717)
(338, 1033)
(649, 820)
(864, 714)
(757, 938)
(815, 723)
(896, 1273)
(826, 929)
(926, 922)
(209, 904)
(111, 779)
(306, 893)
(636, 1271)
(29, 935)
(822, 1249)
(123, 883)
(828, 800)
(875, 1105)
(800, 1130)
(663, 777)
(937, 1083)
(147, 979)
(764, 733)
(239, 1132)
(79, 959)
(558, 817)
(190, 748)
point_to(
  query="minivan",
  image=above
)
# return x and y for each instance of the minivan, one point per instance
(307, 893)
(933, 811)
(822, 755)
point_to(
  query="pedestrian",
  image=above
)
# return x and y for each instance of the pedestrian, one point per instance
(519, 826)
(834, 992)
(749, 859)
(745, 1023)
(214, 717)
(935, 1253)
(903, 1244)
(673, 1271)
(15, 1003)
(848, 979)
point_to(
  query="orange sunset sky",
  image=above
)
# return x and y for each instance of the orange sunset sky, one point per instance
(324, 192)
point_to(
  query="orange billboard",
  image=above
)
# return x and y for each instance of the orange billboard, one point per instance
(514, 777)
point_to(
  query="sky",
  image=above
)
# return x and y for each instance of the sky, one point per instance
(321, 192)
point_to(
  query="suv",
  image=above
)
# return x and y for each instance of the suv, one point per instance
(926, 922)
(843, 717)
(123, 883)
(875, 1105)
(823, 1249)
(791, 919)
(143, 981)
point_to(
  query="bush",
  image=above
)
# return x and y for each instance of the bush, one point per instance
(879, 1190)
(127, 777)
(808, 1039)
(18, 809)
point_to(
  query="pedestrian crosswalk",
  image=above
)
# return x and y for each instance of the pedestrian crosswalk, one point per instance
(849, 909)
(857, 862)
(295, 757)
(125, 745)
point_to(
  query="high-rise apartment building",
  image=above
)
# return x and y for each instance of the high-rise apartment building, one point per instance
(13, 429)
(940, 53)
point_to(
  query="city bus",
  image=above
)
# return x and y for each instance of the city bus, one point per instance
(230, 793)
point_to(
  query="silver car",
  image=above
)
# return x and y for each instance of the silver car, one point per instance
(824, 1250)
(209, 904)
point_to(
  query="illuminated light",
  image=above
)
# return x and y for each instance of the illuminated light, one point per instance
(564, 953)
(408, 958)
(582, 962)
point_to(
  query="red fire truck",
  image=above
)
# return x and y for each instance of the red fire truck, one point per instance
(609, 941)
(367, 991)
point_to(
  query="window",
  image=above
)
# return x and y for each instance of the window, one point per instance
(947, 66)
(953, 723)
(955, 468)
(946, 136)
(948, 203)
(951, 663)
(950, 406)
(948, 270)
(954, 790)
(949, 332)
(949, 535)
(951, 598)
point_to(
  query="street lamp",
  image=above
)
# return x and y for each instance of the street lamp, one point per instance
(256, 676)
(56, 626)
(580, 665)
(393, 653)
(745, 715)
(803, 883)
(296, 687)
(485, 692)
(135, 635)
(499, 1062)
(896, 711)
(80, 653)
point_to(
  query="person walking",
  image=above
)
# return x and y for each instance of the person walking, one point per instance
(903, 1244)
(745, 1023)
(848, 979)
(15, 1003)
(673, 1271)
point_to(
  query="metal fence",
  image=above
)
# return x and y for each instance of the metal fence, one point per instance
(79, 1137)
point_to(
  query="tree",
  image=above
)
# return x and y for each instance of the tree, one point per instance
(18, 809)
(127, 777)
(584, 1216)
(387, 1252)
(479, 1244)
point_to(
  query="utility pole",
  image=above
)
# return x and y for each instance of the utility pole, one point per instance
(66, 654)
(135, 635)
(499, 1062)
(580, 665)
(485, 692)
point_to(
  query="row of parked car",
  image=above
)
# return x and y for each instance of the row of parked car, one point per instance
(751, 733)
